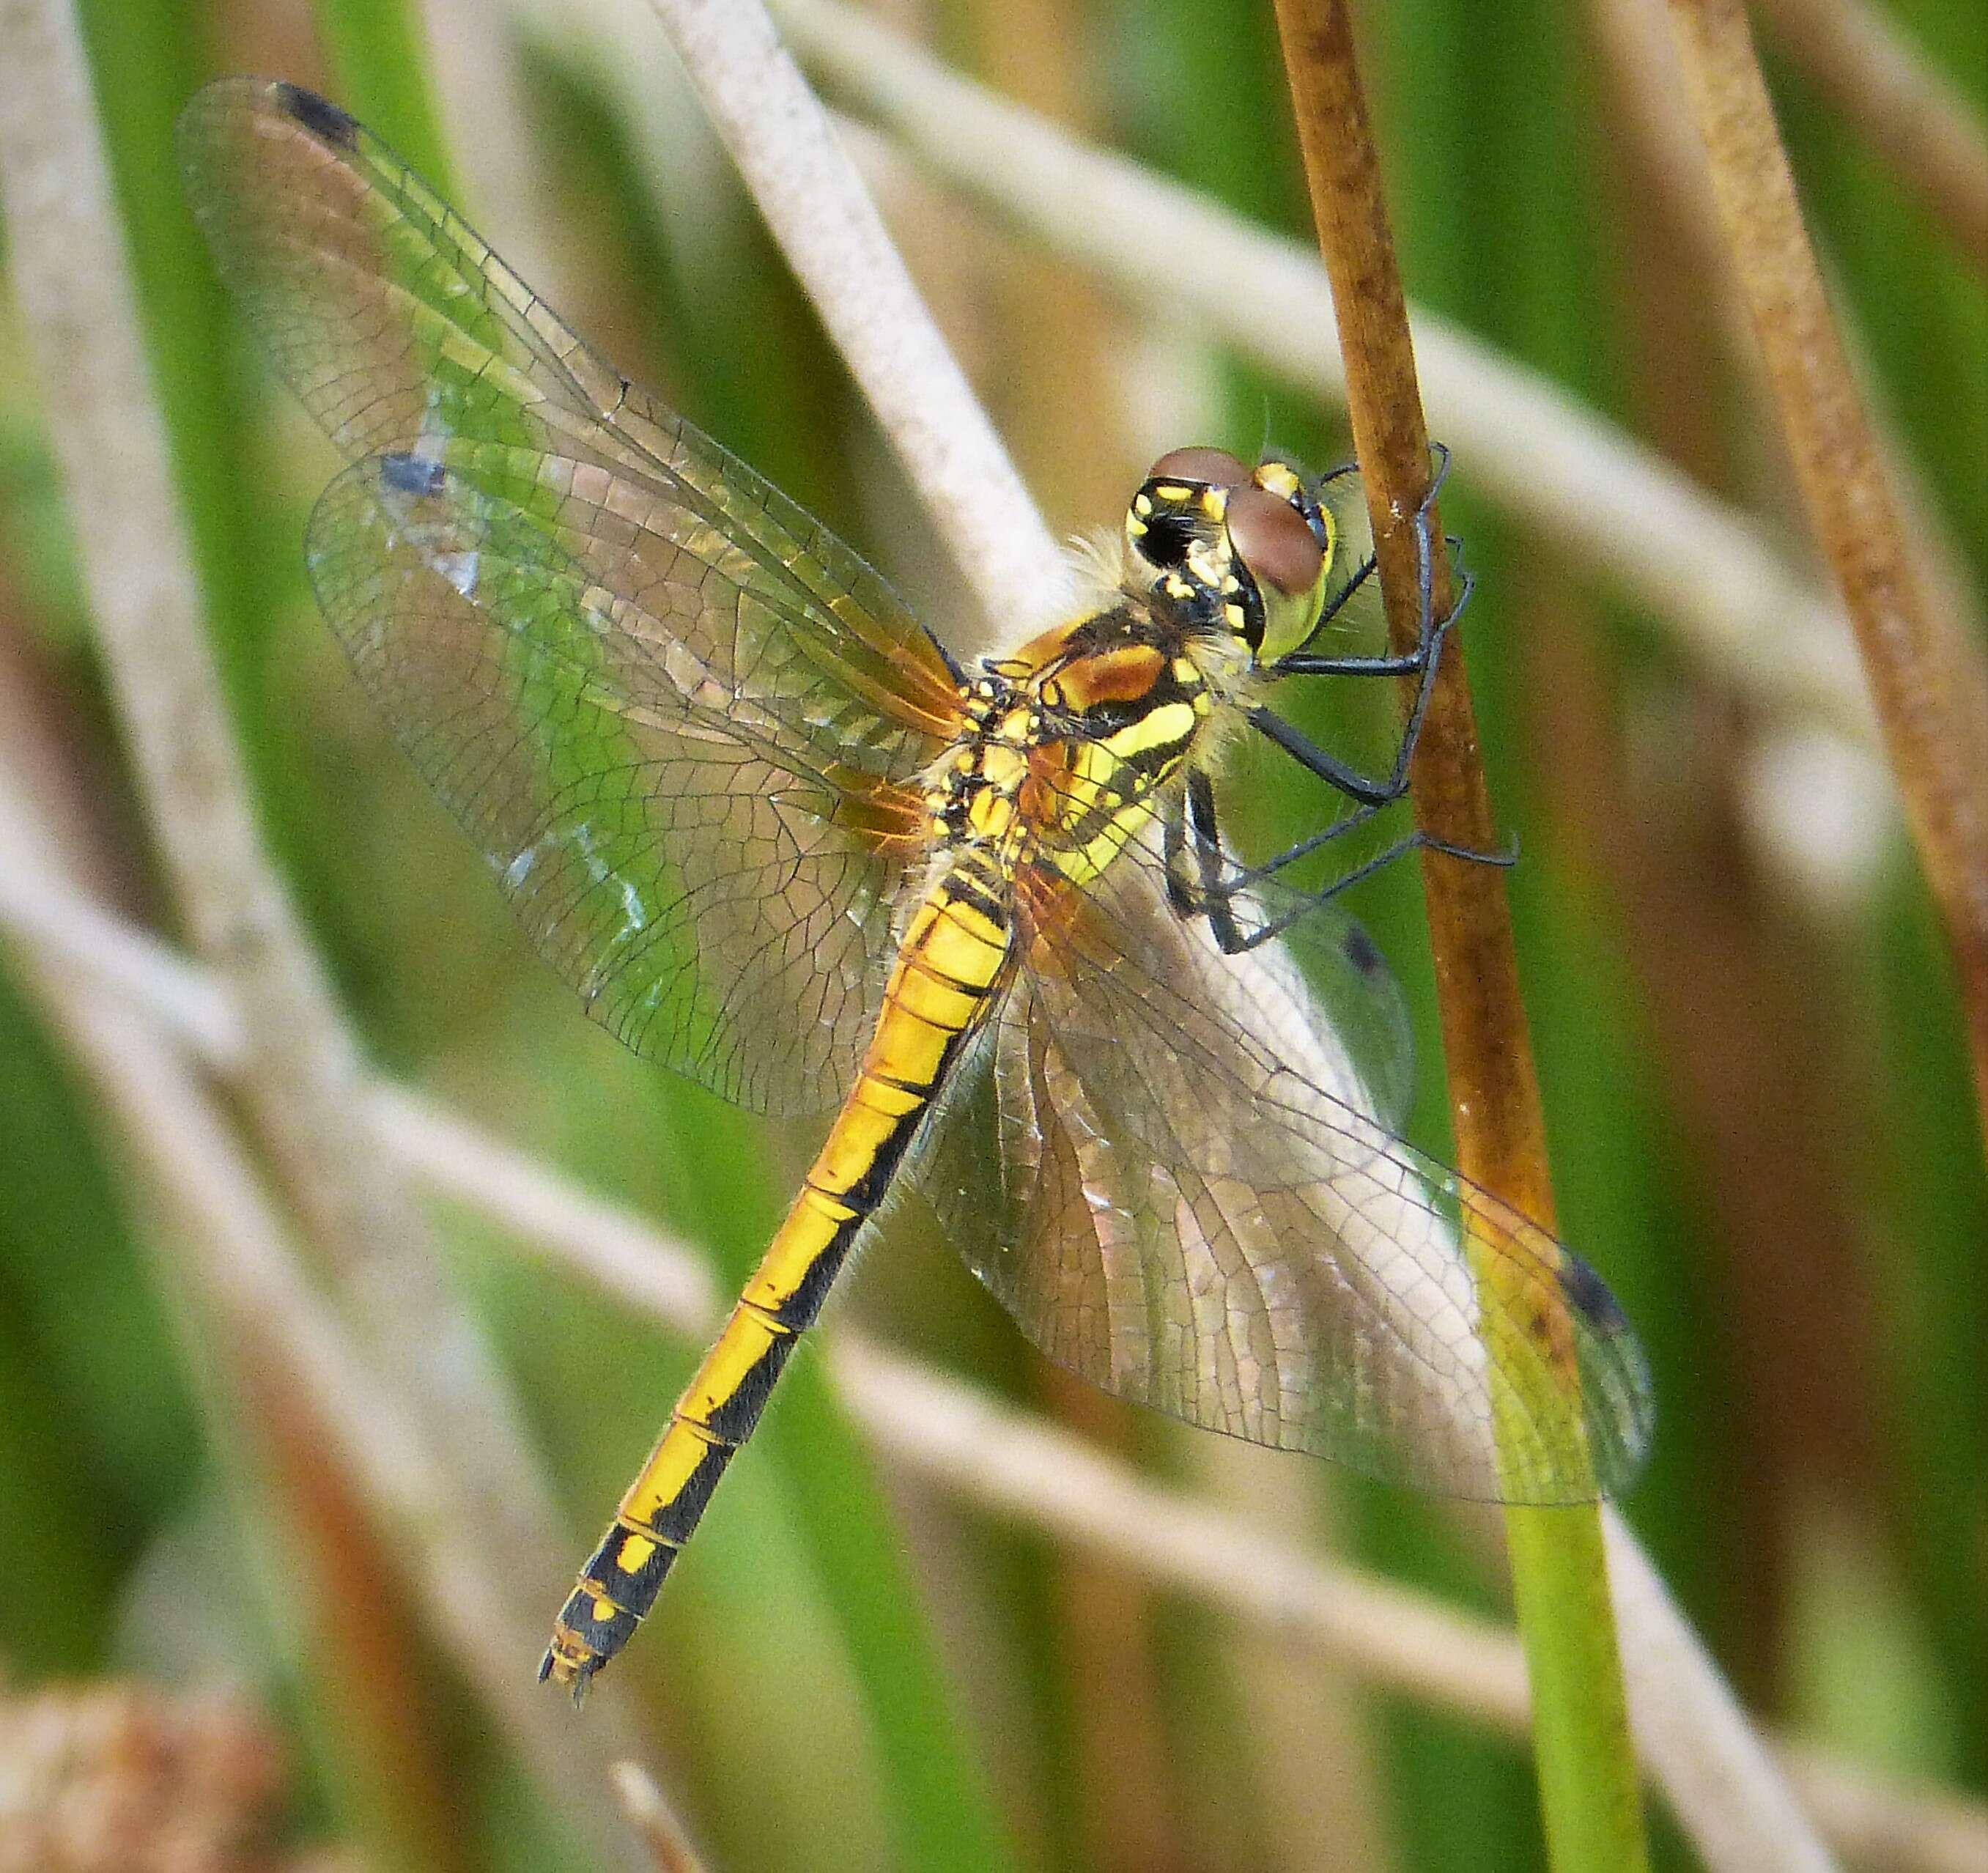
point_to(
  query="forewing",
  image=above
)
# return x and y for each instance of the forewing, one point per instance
(676, 711)
(1164, 1166)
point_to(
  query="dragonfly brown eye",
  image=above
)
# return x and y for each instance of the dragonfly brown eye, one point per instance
(1215, 466)
(1273, 540)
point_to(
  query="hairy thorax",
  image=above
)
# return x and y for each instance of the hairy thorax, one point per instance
(1070, 742)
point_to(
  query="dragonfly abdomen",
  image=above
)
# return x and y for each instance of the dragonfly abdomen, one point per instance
(952, 958)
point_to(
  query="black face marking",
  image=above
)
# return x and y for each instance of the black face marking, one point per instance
(418, 475)
(1167, 537)
(319, 116)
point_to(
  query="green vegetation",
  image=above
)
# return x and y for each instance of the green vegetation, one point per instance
(1764, 1133)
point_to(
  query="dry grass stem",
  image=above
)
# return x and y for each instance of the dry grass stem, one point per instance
(1858, 57)
(231, 1252)
(1649, 98)
(67, 261)
(1880, 1824)
(1494, 1093)
(301, 1073)
(1732, 1796)
(228, 1251)
(1737, 607)
(1930, 685)
(1021, 1467)
(653, 1819)
(827, 226)
(1590, 1800)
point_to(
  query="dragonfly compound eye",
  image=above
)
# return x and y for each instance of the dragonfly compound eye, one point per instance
(1275, 544)
(1215, 467)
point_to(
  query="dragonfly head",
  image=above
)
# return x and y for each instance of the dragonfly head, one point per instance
(1249, 551)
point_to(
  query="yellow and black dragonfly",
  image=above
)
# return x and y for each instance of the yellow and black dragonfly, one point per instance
(782, 842)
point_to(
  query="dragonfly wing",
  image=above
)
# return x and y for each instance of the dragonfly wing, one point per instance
(719, 906)
(678, 714)
(1161, 1163)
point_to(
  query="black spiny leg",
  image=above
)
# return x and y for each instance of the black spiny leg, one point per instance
(1214, 884)
(1369, 795)
(1213, 893)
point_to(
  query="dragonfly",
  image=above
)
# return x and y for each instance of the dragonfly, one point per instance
(783, 841)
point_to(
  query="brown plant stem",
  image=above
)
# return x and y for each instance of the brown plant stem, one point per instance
(653, 1819)
(1929, 684)
(1587, 1771)
(1500, 1127)
(1861, 60)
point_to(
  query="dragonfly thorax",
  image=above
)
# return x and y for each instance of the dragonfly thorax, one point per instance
(1068, 744)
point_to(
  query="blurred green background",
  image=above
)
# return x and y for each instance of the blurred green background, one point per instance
(1763, 1130)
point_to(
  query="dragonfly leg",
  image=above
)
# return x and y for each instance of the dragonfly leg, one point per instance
(1211, 891)
(1303, 662)
(1423, 661)
(1233, 939)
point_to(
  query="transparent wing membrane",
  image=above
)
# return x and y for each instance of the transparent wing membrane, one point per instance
(673, 709)
(1191, 1205)
(707, 899)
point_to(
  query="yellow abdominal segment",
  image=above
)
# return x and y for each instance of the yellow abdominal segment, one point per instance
(949, 964)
